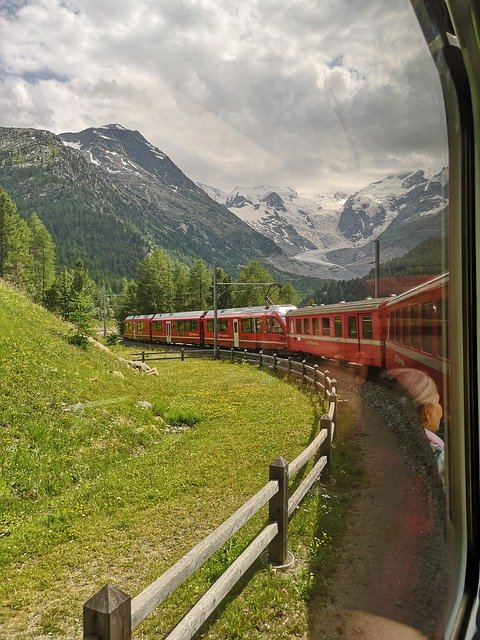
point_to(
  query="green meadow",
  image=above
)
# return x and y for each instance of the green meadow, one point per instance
(96, 486)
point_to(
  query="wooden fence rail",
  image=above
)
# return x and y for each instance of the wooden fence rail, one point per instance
(111, 614)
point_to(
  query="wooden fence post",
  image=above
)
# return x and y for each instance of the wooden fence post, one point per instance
(315, 376)
(260, 358)
(278, 512)
(231, 354)
(326, 448)
(326, 374)
(274, 361)
(303, 371)
(182, 354)
(107, 615)
(143, 356)
(288, 367)
(245, 355)
(333, 398)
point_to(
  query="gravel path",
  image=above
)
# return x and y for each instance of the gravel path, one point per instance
(391, 567)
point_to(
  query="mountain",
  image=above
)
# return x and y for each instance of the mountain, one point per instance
(332, 237)
(182, 214)
(108, 195)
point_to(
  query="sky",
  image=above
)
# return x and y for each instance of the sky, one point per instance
(317, 95)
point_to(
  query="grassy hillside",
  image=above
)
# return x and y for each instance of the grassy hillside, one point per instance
(95, 489)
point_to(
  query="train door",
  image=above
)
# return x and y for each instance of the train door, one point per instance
(168, 331)
(236, 341)
(352, 344)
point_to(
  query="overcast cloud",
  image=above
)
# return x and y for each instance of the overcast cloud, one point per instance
(319, 95)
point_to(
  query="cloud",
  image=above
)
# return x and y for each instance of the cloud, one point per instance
(315, 94)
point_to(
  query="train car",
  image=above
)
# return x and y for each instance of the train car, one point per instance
(183, 327)
(348, 331)
(417, 329)
(138, 327)
(256, 328)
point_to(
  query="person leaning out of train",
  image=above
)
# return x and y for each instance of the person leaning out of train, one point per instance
(426, 399)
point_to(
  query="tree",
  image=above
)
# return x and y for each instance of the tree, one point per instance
(288, 294)
(181, 280)
(155, 283)
(126, 302)
(14, 243)
(82, 310)
(42, 252)
(199, 286)
(225, 292)
(246, 296)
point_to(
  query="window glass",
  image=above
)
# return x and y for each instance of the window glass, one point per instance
(315, 326)
(247, 325)
(406, 338)
(306, 326)
(299, 326)
(416, 326)
(428, 315)
(258, 325)
(277, 327)
(352, 326)
(367, 330)
(325, 326)
(337, 323)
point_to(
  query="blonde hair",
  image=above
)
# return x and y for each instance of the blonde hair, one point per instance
(418, 384)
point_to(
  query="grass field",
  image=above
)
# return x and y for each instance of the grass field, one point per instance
(95, 488)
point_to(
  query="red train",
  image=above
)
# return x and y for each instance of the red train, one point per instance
(246, 328)
(408, 330)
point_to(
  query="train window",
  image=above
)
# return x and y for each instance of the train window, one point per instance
(292, 326)
(406, 337)
(325, 326)
(352, 326)
(428, 316)
(139, 326)
(391, 327)
(247, 325)
(268, 325)
(367, 330)
(416, 326)
(179, 326)
(277, 327)
(337, 324)
(315, 327)
(298, 326)
(258, 325)
(306, 326)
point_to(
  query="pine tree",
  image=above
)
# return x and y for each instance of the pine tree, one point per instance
(82, 309)
(42, 252)
(155, 283)
(181, 279)
(225, 291)
(246, 296)
(199, 286)
(14, 243)
(288, 294)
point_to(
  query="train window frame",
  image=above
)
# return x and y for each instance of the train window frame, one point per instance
(247, 325)
(298, 326)
(428, 339)
(258, 325)
(316, 326)
(306, 326)
(415, 318)
(277, 327)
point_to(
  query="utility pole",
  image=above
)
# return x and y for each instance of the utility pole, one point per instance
(377, 266)
(215, 311)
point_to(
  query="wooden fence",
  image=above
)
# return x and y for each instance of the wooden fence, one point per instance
(112, 615)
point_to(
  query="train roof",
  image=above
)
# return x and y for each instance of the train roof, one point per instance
(429, 285)
(180, 315)
(370, 304)
(248, 311)
(139, 317)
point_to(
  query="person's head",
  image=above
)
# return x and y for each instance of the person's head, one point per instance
(423, 391)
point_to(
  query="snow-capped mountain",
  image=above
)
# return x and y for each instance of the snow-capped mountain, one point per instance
(293, 222)
(332, 236)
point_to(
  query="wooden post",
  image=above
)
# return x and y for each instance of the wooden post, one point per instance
(143, 356)
(326, 374)
(303, 371)
(278, 512)
(326, 448)
(288, 367)
(107, 615)
(231, 354)
(245, 355)
(315, 376)
(274, 361)
(182, 354)
(260, 358)
(333, 398)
